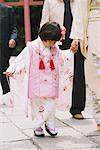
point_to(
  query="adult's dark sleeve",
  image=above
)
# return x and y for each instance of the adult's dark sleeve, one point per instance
(13, 26)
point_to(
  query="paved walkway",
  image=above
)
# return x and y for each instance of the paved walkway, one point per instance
(16, 131)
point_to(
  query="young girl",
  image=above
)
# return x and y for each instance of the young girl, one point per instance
(39, 62)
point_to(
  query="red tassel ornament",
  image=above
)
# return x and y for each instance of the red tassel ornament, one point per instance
(52, 64)
(41, 64)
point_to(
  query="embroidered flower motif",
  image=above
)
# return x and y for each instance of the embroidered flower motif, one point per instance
(96, 60)
(45, 80)
(65, 88)
(41, 108)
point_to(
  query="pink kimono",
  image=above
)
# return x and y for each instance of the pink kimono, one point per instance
(43, 83)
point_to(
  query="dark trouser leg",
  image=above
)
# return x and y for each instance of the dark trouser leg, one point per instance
(79, 88)
(3, 79)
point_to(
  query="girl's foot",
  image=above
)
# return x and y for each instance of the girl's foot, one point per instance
(98, 127)
(39, 132)
(51, 131)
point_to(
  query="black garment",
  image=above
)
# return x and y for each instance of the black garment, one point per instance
(8, 31)
(79, 89)
(4, 62)
(67, 24)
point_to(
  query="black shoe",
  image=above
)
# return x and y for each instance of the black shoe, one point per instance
(50, 131)
(39, 132)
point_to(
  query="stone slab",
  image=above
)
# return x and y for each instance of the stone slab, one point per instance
(9, 132)
(20, 145)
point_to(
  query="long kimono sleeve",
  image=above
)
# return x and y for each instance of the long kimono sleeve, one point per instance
(66, 64)
(19, 63)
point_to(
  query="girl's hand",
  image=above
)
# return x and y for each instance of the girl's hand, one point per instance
(9, 74)
(63, 32)
(74, 46)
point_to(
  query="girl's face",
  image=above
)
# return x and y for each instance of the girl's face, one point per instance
(49, 43)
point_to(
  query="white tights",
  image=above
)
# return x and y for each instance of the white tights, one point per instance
(44, 112)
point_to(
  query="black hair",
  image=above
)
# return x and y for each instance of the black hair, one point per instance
(50, 31)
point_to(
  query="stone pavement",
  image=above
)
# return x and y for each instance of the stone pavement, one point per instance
(16, 131)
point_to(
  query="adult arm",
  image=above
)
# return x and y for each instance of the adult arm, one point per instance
(45, 12)
(13, 29)
(80, 21)
(80, 17)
